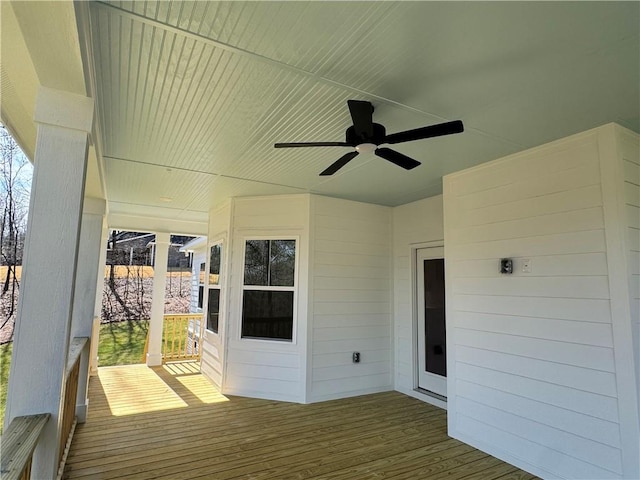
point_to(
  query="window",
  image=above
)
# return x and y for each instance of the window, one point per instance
(201, 286)
(268, 291)
(213, 306)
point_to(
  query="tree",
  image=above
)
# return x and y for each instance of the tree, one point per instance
(15, 187)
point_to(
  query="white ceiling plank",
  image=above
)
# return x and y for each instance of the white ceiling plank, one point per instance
(206, 88)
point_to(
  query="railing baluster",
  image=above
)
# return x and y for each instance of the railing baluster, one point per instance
(184, 332)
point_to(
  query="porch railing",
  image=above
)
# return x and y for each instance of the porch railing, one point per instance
(70, 393)
(17, 445)
(181, 337)
(21, 437)
(72, 375)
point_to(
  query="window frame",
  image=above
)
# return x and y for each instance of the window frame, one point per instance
(218, 286)
(201, 304)
(294, 289)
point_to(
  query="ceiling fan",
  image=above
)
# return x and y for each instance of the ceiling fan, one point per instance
(366, 137)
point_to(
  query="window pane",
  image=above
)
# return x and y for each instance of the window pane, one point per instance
(214, 309)
(434, 315)
(201, 278)
(267, 314)
(214, 265)
(256, 262)
(283, 261)
(200, 295)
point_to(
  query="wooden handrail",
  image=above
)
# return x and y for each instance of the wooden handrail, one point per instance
(18, 443)
(75, 351)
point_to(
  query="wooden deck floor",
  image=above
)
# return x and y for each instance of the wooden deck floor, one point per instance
(170, 423)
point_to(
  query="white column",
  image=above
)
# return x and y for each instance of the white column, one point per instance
(41, 337)
(97, 312)
(84, 300)
(154, 355)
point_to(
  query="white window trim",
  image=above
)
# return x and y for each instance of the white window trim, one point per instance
(294, 333)
(203, 308)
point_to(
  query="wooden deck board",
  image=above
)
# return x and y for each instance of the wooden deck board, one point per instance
(171, 423)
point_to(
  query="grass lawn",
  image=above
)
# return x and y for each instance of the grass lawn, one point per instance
(5, 361)
(121, 343)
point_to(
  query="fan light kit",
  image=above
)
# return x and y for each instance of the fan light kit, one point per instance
(366, 137)
(366, 148)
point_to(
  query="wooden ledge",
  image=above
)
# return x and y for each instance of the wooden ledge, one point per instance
(18, 443)
(75, 350)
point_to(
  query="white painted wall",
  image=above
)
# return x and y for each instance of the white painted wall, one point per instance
(539, 362)
(415, 225)
(350, 305)
(213, 345)
(261, 368)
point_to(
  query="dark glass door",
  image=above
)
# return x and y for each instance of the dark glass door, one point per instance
(431, 331)
(434, 319)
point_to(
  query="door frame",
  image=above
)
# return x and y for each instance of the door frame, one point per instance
(426, 396)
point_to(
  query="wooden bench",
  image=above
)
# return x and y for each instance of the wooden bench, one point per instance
(17, 445)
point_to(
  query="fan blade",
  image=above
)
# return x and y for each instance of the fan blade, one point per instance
(338, 164)
(362, 116)
(426, 132)
(312, 144)
(398, 158)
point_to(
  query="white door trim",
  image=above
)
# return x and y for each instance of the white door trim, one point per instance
(424, 381)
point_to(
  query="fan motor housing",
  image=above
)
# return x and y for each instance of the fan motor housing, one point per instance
(379, 133)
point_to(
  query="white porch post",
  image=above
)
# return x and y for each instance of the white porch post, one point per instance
(154, 355)
(95, 336)
(86, 289)
(41, 337)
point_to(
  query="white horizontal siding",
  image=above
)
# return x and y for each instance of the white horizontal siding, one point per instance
(351, 298)
(547, 183)
(555, 203)
(566, 443)
(532, 369)
(210, 364)
(413, 224)
(560, 397)
(505, 178)
(580, 309)
(630, 159)
(590, 264)
(591, 241)
(579, 332)
(581, 378)
(587, 356)
(564, 287)
(527, 452)
(586, 426)
(261, 368)
(528, 226)
(278, 211)
(333, 360)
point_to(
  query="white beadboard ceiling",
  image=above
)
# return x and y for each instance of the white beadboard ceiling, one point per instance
(191, 96)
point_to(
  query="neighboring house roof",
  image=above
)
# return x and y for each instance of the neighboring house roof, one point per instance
(197, 243)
